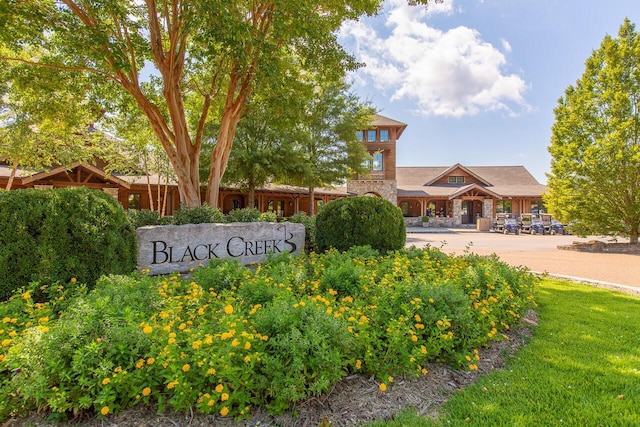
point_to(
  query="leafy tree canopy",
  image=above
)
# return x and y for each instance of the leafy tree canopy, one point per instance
(595, 145)
(205, 55)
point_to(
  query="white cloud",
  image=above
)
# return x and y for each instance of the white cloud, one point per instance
(446, 73)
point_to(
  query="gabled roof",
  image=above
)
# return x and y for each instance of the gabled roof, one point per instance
(452, 170)
(497, 181)
(474, 187)
(382, 121)
(59, 169)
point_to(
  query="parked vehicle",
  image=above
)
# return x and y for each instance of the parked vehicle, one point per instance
(498, 223)
(537, 226)
(525, 222)
(546, 222)
(511, 226)
(557, 227)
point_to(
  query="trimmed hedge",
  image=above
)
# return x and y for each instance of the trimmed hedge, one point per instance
(55, 235)
(360, 221)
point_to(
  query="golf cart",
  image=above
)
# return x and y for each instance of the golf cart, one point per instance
(537, 226)
(506, 223)
(557, 227)
(531, 223)
(546, 222)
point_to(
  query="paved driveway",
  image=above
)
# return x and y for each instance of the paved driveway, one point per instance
(538, 253)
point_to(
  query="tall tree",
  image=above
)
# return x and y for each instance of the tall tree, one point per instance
(328, 150)
(595, 144)
(263, 150)
(206, 54)
(44, 124)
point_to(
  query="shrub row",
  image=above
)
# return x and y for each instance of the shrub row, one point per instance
(229, 338)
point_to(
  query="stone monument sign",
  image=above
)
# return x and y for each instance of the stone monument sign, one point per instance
(178, 248)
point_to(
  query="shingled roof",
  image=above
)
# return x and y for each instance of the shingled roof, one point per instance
(502, 181)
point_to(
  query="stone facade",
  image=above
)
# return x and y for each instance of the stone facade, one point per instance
(386, 189)
(487, 208)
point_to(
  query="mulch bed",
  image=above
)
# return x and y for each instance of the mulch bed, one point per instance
(353, 400)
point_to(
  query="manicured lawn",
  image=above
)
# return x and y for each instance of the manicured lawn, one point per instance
(582, 368)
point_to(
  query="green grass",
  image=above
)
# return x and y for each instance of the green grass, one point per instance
(582, 368)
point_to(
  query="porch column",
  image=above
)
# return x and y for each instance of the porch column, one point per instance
(487, 208)
(457, 211)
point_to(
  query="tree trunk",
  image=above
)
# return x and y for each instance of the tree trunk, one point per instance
(164, 199)
(221, 151)
(312, 205)
(251, 197)
(633, 237)
(14, 169)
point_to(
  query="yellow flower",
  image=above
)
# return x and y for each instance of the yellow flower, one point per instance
(150, 361)
(26, 295)
(235, 342)
(106, 381)
(383, 387)
(147, 329)
(219, 388)
(417, 317)
(6, 342)
(210, 402)
(172, 384)
(186, 367)
(211, 371)
(74, 280)
(224, 411)
(423, 349)
(247, 345)
(224, 396)
(146, 391)
(390, 379)
(228, 309)
(358, 364)
(104, 410)
(414, 338)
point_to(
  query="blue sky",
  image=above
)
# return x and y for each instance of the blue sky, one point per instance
(476, 81)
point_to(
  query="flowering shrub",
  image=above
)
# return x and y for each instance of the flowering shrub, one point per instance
(231, 337)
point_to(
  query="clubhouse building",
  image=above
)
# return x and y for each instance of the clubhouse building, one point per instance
(451, 195)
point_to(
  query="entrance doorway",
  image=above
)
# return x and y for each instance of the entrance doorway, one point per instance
(467, 212)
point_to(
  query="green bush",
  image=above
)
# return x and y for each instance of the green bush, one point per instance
(244, 215)
(63, 364)
(309, 223)
(56, 235)
(140, 218)
(360, 221)
(230, 338)
(198, 215)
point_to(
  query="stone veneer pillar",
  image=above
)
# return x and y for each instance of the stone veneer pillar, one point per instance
(385, 188)
(457, 211)
(487, 208)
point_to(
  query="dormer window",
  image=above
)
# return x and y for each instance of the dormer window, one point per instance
(384, 135)
(371, 135)
(456, 179)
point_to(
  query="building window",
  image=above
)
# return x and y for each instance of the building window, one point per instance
(537, 206)
(376, 165)
(503, 206)
(456, 180)
(384, 135)
(404, 207)
(133, 201)
(371, 135)
(360, 135)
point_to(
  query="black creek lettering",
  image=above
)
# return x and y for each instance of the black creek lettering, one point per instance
(237, 247)
(163, 253)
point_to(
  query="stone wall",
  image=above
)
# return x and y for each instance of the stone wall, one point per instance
(387, 189)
